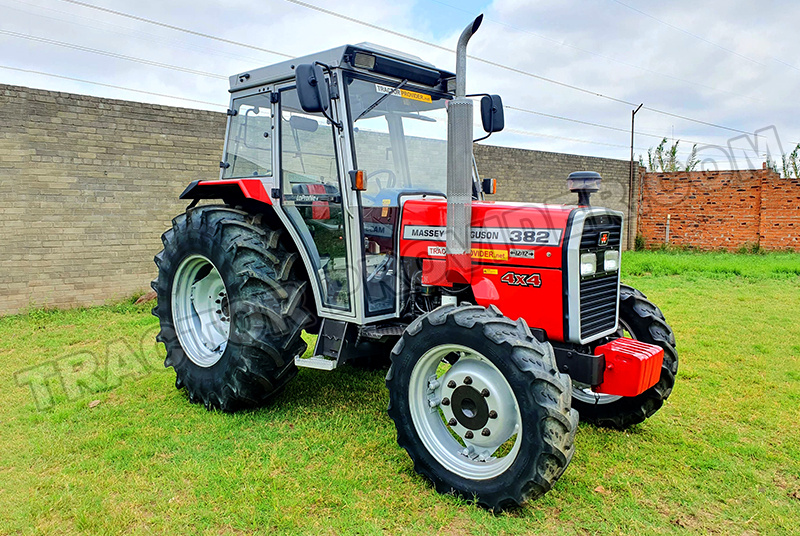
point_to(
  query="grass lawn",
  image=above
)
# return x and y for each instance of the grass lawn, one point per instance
(124, 451)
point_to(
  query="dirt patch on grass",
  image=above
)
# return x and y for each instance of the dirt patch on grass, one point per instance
(456, 527)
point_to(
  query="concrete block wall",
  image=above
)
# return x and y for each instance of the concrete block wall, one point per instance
(541, 177)
(87, 186)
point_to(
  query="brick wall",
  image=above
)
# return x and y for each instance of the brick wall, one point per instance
(87, 186)
(780, 213)
(721, 209)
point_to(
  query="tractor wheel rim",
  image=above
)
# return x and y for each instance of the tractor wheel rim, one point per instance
(452, 411)
(200, 310)
(584, 393)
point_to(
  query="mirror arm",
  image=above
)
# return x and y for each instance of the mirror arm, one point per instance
(338, 124)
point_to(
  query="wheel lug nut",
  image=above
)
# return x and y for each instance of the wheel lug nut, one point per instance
(452, 422)
(486, 432)
(467, 380)
(219, 312)
(469, 434)
(451, 384)
(485, 393)
(493, 414)
(445, 401)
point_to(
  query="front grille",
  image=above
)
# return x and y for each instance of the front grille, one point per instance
(597, 224)
(598, 305)
(598, 311)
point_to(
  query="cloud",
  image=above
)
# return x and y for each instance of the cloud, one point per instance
(599, 45)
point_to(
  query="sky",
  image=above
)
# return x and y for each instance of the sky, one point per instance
(722, 75)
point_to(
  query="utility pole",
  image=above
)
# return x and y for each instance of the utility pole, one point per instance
(630, 180)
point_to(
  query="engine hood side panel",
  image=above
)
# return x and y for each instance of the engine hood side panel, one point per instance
(516, 255)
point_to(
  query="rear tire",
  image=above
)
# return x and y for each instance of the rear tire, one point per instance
(230, 304)
(645, 322)
(523, 392)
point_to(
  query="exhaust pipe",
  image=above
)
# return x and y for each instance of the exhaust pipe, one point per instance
(458, 267)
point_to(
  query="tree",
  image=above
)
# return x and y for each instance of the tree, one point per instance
(790, 164)
(666, 159)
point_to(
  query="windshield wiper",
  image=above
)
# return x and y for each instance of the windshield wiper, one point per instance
(380, 100)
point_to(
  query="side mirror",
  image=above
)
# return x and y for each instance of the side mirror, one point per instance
(492, 113)
(312, 88)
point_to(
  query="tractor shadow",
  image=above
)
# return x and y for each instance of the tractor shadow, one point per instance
(340, 388)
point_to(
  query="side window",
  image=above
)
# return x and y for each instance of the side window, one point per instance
(307, 152)
(311, 195)
(249, 149)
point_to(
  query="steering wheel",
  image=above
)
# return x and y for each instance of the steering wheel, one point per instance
(390, 182)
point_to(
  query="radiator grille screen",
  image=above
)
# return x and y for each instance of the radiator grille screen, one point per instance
(599, 292)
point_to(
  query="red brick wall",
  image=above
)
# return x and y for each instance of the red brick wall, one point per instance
(780, 214)
(721, 209)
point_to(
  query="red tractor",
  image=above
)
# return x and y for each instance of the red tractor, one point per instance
(351, 208)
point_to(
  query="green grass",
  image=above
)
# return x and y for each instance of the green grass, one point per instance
(723, 456)
(774, 265)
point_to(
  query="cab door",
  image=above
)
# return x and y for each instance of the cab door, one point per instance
(311, 198)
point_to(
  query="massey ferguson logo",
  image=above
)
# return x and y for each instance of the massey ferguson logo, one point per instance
(603, 240)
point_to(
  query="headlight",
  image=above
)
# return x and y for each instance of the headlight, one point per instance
(588, 264)
(611, 261)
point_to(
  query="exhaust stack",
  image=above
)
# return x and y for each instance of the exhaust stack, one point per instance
(458, 267)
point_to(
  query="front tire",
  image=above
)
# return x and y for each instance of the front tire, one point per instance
(645, 322)
(230, 307)
(480, 407)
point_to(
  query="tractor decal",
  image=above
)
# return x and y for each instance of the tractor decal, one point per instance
(489, 235)
(522, 280)
(522, 253)
(490, 254)
(480, 254)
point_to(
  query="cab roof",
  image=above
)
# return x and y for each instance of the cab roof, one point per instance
(341, 56)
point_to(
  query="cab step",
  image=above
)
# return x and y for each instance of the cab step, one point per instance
(316, 362)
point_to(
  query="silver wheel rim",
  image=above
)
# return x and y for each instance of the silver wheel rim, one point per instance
(200, 310)
(473, 458)
(584, 393)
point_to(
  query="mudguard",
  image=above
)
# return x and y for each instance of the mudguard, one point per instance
(230, 190)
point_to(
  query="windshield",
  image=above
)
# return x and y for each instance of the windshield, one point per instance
(401, 142)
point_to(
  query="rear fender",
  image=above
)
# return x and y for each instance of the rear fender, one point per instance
(231, 191)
